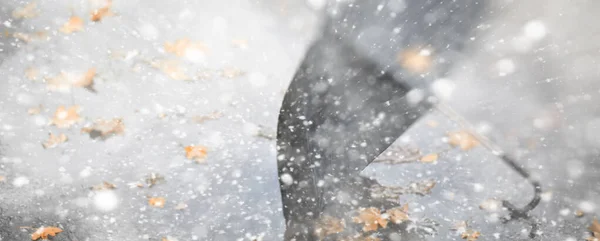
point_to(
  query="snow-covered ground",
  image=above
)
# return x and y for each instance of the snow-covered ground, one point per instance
(530, 83)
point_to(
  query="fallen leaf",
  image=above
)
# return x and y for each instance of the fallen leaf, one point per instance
(54, 140)
(154, 178)
(463, 139)
(211, 116)
(45, 232)
(74, 24)
(181, 206)
(66, 117)
(102, 12)
(104, 186)
(185, 46)
(231, 73)
(415, 60)
(579, 213)
(595, 229)
(66, 80)
(32, 73)
(328, 225)
(34, 110)
(398, 214)
(171, 68)
(196, 153)
(429, 158)
(371, 218)
(470, 235)
(105, 128)
(27, 11)
(158, 202)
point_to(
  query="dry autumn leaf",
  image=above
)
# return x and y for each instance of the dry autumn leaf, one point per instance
(415, 60)
(429, 158)
(470, 235)
(27, 11)
(185, 46)
(74, 24)
(328, 225)
(579, 213)
(105, 128)
(158, 202)
(100, 13)
(371, 218)
(54, 140)
(45, 232)
(196, 153)
(398, 214)
(104, 186)
(463, 139)
(66, 117)
(66, 80)
(595, 230)
(171, 68)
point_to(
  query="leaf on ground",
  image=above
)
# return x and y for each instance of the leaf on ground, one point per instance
(415, 60)
(32, 73)
(463, 139)
(75, 24)
(104, 186)
(185, 47)
(54, 140)
(211, 116)
(171, 68)
(328, 225)
(196, 153)
(371, 218)
(66, 80)
(45, 232)
(158, 202)
(398, 214)
(34, 110)
(594, 228)
(66, 117)
(105, 128)
(154, 178)
(470, 235)
(102, 12)
(429, 158)
(28, 11)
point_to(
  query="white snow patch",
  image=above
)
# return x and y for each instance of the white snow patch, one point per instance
(505, 67)
(535, 30)
(257, 79)
(587, 206)
(106, 200)
(443, 88)
(287, 179)
(20, 181)
(148, 31)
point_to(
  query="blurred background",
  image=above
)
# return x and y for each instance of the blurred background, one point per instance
(155, 120)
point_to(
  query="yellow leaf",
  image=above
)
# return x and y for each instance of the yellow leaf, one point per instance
(66, 117)
(102, 12)
(54, 140)
(45, 232)
(158, 202)
(196, 153)
(429, 158)
(463, 139)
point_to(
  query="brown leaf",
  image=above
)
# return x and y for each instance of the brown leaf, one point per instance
(470, 235)
(415, 60)
(463, 139)
(429, 158)
(595, 228)
(45, 232)
(105, 128)
(66, 117)
(66, 80)
(54, 140)
(158, 202)
(398, 214)
(196, 153)
(102, 12)
(579, 213)
(371, 218)
(104, 186)
(28, 11)
(328, 225)
(184, 46)
(74, 24)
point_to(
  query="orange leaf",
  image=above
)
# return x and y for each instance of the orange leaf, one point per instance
(463, 139)
(45, 232)
(399, 214)
(65, 80)
(54, 140)
(74, 24)
(102, 12)
(158, 202)
(105, 128)
(429, 158)
(65, 118)
(196, 153)
(184, 46)
(371, 217)
(470, 235)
